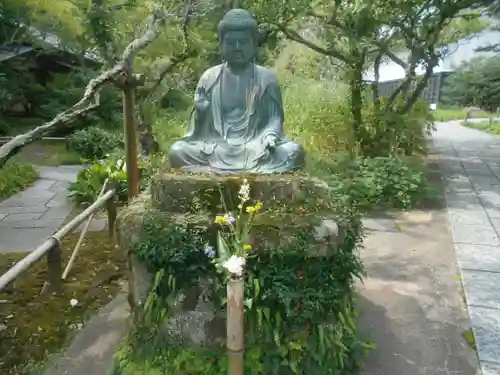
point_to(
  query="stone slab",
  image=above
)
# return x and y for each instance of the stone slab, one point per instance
(43, 184)
(478, 257)
(16, 201)
(485, 180)
(460, 181)
(480, 171)
(463, 200)
(59, 200)
(56, 213)
(491, 368)
(490, 199)
(51, 224)
(62, 173)
(481, 288)
(60, 186)
(21, 239)
(34, 193)
(493, 213)
(475, 234)
(31, 216)
(23, 210)
(496, 224)
(486, 325)
(13, 218)
(468, 216)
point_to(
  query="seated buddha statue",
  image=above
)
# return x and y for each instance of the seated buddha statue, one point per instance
(236, 124)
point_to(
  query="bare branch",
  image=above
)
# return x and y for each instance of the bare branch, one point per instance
(394, 57)
(90, 99)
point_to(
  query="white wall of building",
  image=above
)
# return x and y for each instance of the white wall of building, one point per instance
(462, 51)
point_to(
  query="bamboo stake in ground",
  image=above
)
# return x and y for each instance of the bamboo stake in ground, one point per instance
(235, 325)
(82, 236)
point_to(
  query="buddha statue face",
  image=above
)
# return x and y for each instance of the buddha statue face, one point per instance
(238, 36)
(238, 47)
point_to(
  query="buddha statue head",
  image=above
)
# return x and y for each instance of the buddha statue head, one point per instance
(238, 33)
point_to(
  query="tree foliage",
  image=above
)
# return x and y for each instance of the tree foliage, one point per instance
(475, 83)
(361, 34)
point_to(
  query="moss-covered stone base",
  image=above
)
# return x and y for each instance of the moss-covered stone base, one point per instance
(291, 203)
(193, 193)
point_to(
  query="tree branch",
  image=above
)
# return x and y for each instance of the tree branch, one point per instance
(296, 37)
(90, 99)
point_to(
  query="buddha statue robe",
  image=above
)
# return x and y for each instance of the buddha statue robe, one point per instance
(233, 119)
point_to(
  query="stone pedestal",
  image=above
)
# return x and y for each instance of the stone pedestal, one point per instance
(290, 203)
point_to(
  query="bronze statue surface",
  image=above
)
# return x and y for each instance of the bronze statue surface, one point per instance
(237, 121)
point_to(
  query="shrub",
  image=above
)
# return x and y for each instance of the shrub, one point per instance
(389, 133)
(94, 143)
(85, 190)
(387, 182)
(15, 177)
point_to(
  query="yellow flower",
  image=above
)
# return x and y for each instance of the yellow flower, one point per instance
(220, 220)
(247, 246)
(254, 209)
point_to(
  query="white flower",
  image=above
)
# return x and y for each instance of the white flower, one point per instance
(234, 265)
(244, 193)
(73, 302)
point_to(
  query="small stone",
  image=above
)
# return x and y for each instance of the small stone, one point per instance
(327, 229)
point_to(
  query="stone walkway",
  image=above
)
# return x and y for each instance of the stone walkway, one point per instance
(470, 162)
(28, 218)
(410, 303)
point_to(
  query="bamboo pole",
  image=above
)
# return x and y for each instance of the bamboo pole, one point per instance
(54, 266)
(128, 84)
(82, 236)
(235, 325)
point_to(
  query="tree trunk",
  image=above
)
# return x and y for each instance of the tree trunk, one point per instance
(375, 87)
(356, 102)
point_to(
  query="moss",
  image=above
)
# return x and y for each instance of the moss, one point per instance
(15, 177)
(469, 337)
(34, 325)
(290, 193)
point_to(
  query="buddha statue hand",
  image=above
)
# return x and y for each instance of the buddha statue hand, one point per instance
(201, 101)
(270, 142)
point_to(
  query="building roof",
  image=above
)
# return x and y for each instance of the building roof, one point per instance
(8, 52)
(47, 41)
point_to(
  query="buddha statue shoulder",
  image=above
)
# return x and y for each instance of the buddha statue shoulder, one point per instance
(237, 121)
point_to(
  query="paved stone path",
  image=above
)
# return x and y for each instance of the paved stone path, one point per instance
(31, 216)
(411, 303)
(470, 162)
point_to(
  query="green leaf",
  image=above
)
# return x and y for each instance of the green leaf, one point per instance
(222, 248)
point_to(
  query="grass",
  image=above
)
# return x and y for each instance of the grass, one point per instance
(32, 326)
(486, 126)
(15, 177)
(48, 153)
(449, 114)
